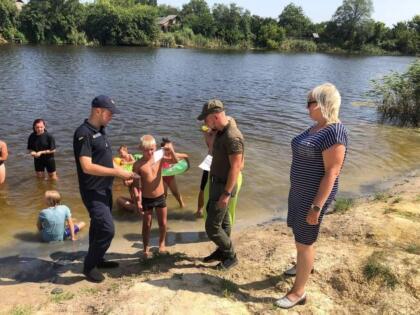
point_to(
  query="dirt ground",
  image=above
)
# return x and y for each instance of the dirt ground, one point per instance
(367, 262)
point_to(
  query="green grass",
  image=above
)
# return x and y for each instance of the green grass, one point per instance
(228, 288)
(397, 200)
(390, 210)
(381, 196)
(89, 291)
(21, 310)
(413, 249)
(375, 268)
(65, 296)
(409, 215)
(417, 198)
(343, 204)
(114, 287)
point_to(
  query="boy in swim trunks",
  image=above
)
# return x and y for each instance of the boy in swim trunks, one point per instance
(151, 193)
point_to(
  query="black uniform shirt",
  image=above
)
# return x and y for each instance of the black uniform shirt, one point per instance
(91, 142)
(41, 142)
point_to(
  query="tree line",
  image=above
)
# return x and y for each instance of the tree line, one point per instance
(134, 22)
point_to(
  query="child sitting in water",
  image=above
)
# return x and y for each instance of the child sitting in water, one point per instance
(170, 181)
(151, 193)
(125, 157)
(52, 220)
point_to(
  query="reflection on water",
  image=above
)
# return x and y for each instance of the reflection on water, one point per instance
(161, 91)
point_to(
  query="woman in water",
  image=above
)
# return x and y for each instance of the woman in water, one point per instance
(41, 146)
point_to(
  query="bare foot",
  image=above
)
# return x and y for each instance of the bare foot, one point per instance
(147, 255)
(163, 251)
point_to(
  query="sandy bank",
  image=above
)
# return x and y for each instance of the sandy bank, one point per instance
(367, 263)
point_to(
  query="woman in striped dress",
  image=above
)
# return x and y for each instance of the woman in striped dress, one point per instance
(3, 157)
(318, 156)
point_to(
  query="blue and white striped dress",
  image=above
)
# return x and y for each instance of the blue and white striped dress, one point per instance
(306, 173)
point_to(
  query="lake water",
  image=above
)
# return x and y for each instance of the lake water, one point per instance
(161, 91)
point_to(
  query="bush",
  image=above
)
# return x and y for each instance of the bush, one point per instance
(77, 38)
(14, 35)
(298, 45)
(184, 36)
(372, 50)
(8, 15)
(398, 96)
(167, 40)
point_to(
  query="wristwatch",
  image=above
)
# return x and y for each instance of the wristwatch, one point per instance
(315, 208)
(227, 194)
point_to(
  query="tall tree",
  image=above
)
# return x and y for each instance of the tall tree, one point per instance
(233, 24)
(294, 21)
(196, 15)
(350, 21)
(51, 21)
(8, 16)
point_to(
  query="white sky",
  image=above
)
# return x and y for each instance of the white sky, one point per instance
(388, 11)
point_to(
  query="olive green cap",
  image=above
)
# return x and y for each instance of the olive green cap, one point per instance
(211, 107)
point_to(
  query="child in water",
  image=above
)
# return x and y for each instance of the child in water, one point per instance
(125, 157)
(55, 222)
(170, 181)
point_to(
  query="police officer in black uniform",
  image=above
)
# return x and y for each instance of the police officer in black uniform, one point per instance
(96, 173)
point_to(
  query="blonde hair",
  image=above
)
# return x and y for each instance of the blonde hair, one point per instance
(147, 141)
(328, 98)
(52, 197)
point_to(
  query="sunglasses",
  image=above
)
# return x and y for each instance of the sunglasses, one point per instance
(310, 102)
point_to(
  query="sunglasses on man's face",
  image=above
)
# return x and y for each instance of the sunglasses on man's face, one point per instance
(311, 102)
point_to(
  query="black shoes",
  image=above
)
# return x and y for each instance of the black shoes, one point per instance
(107, 264)
(215, 256)
(227, 263)
(94, 275)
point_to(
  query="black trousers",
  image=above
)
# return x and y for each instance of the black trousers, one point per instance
(101, 230)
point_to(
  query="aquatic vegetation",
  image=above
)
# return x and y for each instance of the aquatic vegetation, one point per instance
(398, 96)
(375, 268)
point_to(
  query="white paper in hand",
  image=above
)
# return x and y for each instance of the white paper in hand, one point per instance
(205, 165)
(158, 155)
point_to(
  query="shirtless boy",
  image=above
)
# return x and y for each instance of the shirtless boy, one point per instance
(152, 194)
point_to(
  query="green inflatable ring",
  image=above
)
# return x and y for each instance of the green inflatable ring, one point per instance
(176, 169)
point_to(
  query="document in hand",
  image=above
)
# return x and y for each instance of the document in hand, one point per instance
(205, 165)
(158, 155)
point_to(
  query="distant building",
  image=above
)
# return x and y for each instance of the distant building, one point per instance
(167, 22)
(315, 36)
(19, 4)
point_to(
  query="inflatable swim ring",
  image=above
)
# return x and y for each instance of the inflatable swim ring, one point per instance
(176, 169)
